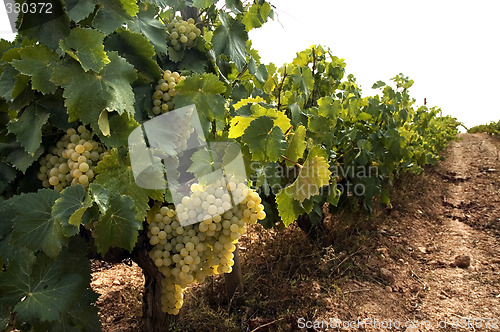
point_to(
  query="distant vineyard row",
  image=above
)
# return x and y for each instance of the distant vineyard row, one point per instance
(491, 128)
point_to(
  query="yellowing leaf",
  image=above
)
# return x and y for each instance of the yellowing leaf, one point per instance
(238, 125)
(247, 101)
(314, 174)
(297, 145)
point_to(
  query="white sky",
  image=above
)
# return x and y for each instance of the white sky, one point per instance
(449, 48)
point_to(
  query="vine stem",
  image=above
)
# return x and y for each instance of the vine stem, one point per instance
(293, 162)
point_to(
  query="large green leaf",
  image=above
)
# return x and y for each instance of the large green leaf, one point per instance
(34, 227)
(78, 10)
(12, 83)
(120, 126)
(82, 316)
(202, 4)
(112, 14)
(36, 61)
(19, 158)
(118, 226)
(4, 315)
(7, 175)
(203, 91)
(115, 174)
(289, 209)
(42, 289)
(54, 104)
(6, 218)
(265, 140)
(151, 27)
(137, 50)
(230, 39)
(88, 94)
(256, 15)
(28, 128)
(70, 207)
(48, 28)
(85, 46)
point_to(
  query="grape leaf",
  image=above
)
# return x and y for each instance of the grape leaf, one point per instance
(203, 91)
(100, 196)
(265, 141)
(302, 80)
(7, 175)
(78, 10)
(4, 314)
(19, 158)
(121, 126)
(42, 288)
(235, 6)
(152, 28)
(54, 105)
(314, 175)
(230, 39)
(47, 28)
(193, 60)
(329, 108)
(137, 50)
(259, 71)
(297, 145)
(88, 94)
(202, 4)
(289, 209)
(176, 5)
(69, 208)
(256, 15)
(85, 46)
(28, 128)
(6, 218)
(36, 61)
(118, 226)
(34, 227)
(112, 14)
(240, 123)
(82, 316)
(115, 174)
(12, 83)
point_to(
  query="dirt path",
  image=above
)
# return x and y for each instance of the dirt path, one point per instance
(404, 271)
(469, 226)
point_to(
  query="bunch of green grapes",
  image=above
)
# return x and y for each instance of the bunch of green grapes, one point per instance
(165, 92)
(181, 34)
(189, 254)
(71, 161)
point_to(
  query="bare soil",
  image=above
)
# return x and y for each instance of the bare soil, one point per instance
(432, 257)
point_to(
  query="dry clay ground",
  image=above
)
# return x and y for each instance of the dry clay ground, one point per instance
(396, 266)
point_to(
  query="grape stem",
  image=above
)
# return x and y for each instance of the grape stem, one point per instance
(293, 162)
(240, 74)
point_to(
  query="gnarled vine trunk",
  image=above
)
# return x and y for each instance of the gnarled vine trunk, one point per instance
(234, 283)
(153, 317)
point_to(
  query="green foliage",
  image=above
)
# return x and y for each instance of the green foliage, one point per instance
(492, 128)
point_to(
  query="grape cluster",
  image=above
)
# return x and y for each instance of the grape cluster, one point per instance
(189, 254)
(71, 161)
(182, 33)
(165, 92)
